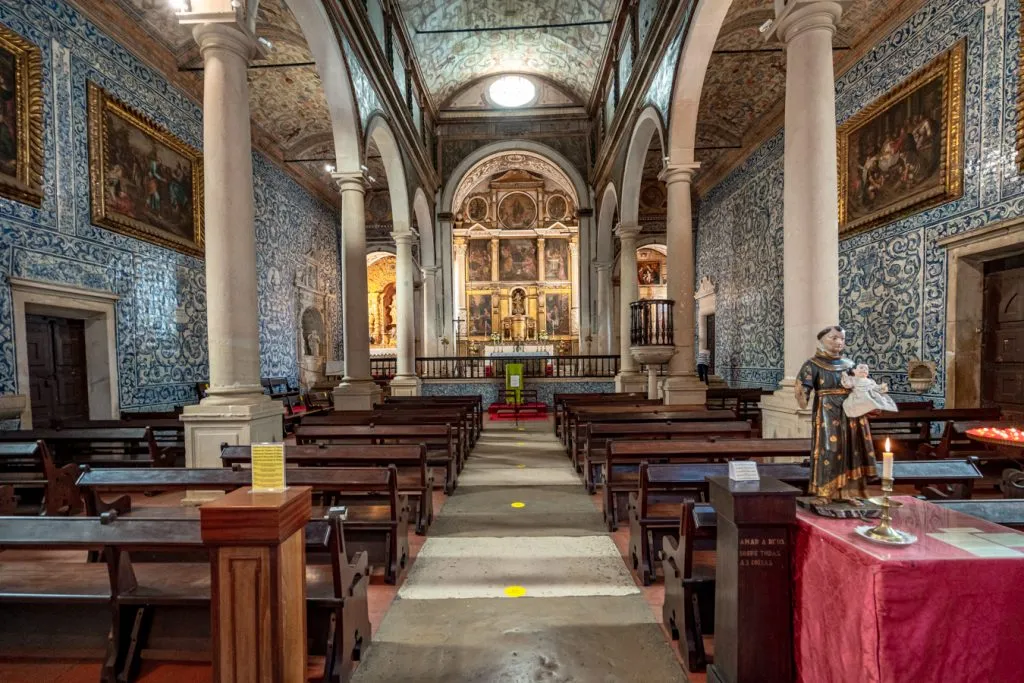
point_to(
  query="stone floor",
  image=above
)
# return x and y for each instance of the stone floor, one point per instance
(520, 524)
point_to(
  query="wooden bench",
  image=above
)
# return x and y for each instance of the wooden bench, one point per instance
(159, 610)
(746, 403)
(27, 468)
(168, 432)
(378, 515)
(600, 434)
(442, 448)
(474, 401)
(573, 408)
(100, 447)
(415, 480)
(560, 400)
(688, 611)
(909, 430)
(464, 412)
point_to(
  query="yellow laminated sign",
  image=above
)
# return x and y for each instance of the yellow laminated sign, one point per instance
(268, 467)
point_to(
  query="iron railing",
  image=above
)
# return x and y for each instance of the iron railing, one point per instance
(650, 322)
(482, 367)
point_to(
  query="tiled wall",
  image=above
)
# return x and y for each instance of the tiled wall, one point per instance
(159, 359)
(892, 278)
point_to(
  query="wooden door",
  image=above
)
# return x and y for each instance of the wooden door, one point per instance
(710, 324)
(1002, 368)
(56, 367)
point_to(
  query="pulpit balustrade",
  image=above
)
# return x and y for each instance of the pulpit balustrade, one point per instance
(651, 322)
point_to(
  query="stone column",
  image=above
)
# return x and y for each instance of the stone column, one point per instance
(357, 390)
(405, 383)
(494, 260)
(540, 259)
(459, 287)
(431, 328)
(574, 279)
(681, 386)
(604, 307)
(810, 199)
(235, 410)
(628, 379)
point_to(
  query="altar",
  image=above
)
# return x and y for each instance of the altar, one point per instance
(946, 608)
(518, 351)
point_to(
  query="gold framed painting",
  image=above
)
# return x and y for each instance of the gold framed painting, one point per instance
(904, 152)
(21, 119)
(144, 181)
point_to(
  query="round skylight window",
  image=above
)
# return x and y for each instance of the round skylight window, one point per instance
(512, 91)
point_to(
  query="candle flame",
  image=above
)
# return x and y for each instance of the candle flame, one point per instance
(887, 447)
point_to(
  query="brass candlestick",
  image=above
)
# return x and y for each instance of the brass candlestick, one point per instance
(884, 532)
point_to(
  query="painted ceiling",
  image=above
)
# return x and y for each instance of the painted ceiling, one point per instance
(568, 55)
(744, 91)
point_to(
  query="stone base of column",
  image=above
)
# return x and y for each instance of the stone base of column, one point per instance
(208, 425)
(630, 381)
(716, 382)
(408, 385)
(356, 395)
(781, 417)
(684, 390)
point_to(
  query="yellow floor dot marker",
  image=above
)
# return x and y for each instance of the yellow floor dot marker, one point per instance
(520, 443)
(515, 591)
(518, 505)
(521, 466)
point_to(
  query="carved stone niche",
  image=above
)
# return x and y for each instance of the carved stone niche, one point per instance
(921, 375)
(313, 339)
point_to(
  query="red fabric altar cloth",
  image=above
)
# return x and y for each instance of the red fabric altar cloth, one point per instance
(929, 612)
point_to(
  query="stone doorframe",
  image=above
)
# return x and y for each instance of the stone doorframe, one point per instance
(707, 300)
(93, 306)
(965, 283)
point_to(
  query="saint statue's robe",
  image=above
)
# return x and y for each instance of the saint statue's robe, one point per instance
(841, 449)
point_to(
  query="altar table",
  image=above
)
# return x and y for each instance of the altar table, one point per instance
(947, 608)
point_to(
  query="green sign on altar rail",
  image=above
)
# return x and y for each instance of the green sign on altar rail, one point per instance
(514, 381)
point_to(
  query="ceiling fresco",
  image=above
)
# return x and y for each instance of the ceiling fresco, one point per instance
(570, 55)
(744, 91)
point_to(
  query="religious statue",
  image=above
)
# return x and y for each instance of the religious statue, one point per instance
(518, 302)
(866, 395)
(313, 342)
(842, 455)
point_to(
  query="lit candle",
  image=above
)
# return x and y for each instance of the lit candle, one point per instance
(887, 461)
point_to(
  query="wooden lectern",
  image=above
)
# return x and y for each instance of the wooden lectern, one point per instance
(753, 581)
(258, 576)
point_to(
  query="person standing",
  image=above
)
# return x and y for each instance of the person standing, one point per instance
(703, 365)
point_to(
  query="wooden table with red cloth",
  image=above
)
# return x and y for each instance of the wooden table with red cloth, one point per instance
(945, 609)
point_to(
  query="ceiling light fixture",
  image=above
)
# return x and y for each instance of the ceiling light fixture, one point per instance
(512, 91)
(180, 6)
(329, 168)
(265, 43)
(766, 26)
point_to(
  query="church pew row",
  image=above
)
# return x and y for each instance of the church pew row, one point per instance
(377, 515)
(474, 401)
(455, 417)
(600, 434)
(123, 611)
(465, 412)
(100, 446)
(910, 430)
(415, 478)
(654, 503)
(33, 484)
(652, 416)
(562, 400)
(573, 409)
(440, 441)
(688, 609)
(168, 432)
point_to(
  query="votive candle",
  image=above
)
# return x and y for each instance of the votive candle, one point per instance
(887, 461)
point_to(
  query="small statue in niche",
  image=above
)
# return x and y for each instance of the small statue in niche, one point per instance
(313, 343)
(518, 302)
(866, 395)
(842, 455)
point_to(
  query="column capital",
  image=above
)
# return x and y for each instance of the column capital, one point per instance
(349, 181)
(430, 270)
(678, 173)
(627, 231)
(402, 237)
(798, 16)
(233, 37)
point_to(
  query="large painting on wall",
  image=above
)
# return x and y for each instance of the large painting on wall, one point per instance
(517, 260)
(557, 314)
(478, 260)
(517, 210)
(21, 119)
(479, 314)
(556, 259)
(903, 153)
(145, 182)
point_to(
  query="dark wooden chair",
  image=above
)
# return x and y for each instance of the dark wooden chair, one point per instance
(688, 611)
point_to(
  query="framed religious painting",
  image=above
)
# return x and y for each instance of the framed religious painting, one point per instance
(478, 260)
(144, 181)
(517, 211)
(557, 310)
(517, 260)
(556, 259)
(904, 152)
(21, 119)
(478, 315)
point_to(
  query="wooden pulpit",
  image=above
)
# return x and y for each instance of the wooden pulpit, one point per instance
(753, 581)
(258, 575)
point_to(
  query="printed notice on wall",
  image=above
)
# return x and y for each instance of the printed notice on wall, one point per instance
(268, 467)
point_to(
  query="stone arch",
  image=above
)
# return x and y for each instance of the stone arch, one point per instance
(379, 132)
(609, 210)
(325, 45)
(700, 41)
(647, 125)
(425, 223)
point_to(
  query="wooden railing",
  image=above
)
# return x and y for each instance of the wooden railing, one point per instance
(481, 367)
(650, 322)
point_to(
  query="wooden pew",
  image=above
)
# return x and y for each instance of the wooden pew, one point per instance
(378, 515)
(28, 467)
(61, 608)
(475, 401)
(415, 480)
(465, 412)
(442, 449)
(688, 611)
(455, 417)
(573, 408)
(600, 434)
(110, 447)
(562, 403)
(746, 403)
(168, 432)
(908, 430)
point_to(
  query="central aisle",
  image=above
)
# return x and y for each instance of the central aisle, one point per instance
(582, 618)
